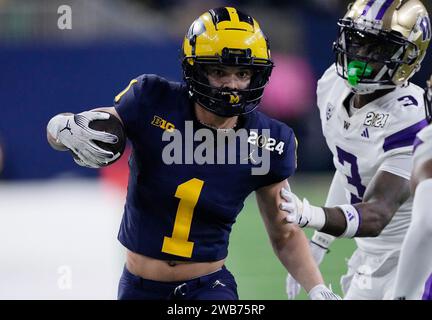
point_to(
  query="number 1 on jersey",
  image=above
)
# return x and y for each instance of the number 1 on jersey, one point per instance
(178, 244)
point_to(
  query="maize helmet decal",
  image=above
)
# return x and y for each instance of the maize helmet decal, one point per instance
(226, 36)
(381, 43)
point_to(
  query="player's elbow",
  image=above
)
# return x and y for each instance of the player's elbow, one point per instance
(278, 244)
(280, 240)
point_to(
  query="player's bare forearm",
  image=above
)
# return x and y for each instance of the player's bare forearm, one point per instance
(289, 241)
(294, 253)
(383, 197)
(374, 219)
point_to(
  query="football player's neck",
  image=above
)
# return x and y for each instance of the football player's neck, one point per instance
(208, 118)
(360, 100)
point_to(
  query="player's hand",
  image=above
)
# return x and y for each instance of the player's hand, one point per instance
(74, 133)
(299, 212)
(321, 292)
(292, 287)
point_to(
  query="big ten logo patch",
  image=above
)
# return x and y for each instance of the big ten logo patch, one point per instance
(163, 124)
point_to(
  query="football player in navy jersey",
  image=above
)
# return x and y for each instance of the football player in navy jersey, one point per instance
(179, 213)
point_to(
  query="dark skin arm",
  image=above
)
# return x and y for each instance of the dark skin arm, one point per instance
(383, 197)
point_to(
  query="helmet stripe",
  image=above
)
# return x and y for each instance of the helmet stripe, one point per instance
(233, 15)
(426, 28)
(368, 6)
(219, 15)
(245, 18)
(383, 9)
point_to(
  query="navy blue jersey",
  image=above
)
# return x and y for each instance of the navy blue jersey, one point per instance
(185, 211)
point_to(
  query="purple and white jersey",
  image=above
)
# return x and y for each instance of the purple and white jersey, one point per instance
(423, 145)
(378, 136)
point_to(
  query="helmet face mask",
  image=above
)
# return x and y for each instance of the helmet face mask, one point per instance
(213, 40)
(369, 61)
(381, 44)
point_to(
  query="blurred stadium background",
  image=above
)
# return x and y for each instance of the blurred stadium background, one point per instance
(59, 222)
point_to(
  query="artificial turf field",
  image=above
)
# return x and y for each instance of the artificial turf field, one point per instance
(258, 272)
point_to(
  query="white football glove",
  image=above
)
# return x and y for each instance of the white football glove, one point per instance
(74, 133)
(301, 212)
(321, 292)
(292, 287)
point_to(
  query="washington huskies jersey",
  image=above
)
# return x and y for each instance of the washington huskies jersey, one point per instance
(423, 145)
(177, 207)
(378, 136)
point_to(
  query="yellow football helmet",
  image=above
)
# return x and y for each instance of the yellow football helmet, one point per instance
(229, 37)
(381, 43)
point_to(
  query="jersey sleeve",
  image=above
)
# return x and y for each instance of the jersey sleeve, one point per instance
(407, 113)
(133, 103)
(423, 145)
(399, 164)
(283, 161)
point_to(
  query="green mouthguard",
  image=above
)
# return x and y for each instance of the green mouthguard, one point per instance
(357, 69)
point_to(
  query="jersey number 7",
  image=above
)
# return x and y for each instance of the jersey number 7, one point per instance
(354, 179)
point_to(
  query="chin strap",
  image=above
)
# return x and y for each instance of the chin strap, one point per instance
(363, 88)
